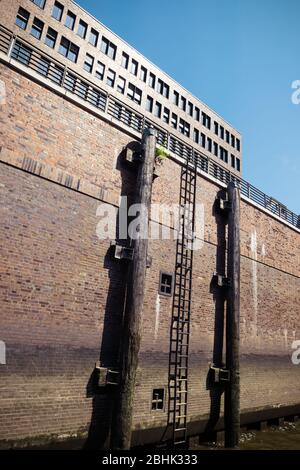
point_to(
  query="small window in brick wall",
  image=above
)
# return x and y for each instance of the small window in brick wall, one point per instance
(158, 397)
(166, 283)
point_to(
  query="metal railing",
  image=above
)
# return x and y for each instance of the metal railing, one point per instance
(56, 72)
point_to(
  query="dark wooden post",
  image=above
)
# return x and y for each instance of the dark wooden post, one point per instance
(232, 391)
(131, 337)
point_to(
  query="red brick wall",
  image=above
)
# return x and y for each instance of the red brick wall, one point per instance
(60, 287)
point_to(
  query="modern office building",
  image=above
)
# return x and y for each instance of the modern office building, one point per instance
(68, 34)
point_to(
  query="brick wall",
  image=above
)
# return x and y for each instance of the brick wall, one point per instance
(61, 292)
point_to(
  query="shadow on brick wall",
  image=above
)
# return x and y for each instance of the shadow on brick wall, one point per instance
(104, 397)
(219, 294)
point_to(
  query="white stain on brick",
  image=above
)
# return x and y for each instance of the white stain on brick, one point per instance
(285, 335)
(253, 247)
(2, 353)
(157, 312)
(2, 93)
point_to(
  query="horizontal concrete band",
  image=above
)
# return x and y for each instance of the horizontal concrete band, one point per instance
(84, 187)
(154, 435)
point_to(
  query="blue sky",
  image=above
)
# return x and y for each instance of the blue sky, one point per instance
(238, 56)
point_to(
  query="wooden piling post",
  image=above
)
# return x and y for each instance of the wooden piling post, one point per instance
(131, 337)
(232, 391)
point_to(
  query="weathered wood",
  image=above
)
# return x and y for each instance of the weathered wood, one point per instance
(131, 337)
(232, 391)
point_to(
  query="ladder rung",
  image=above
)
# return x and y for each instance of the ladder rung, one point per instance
(180, 429)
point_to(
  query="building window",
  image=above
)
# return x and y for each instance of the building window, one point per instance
(70, 82)
(94, 36)
(238, 164)
(163, 88)
(223, 154)
(159, 86)
(206, 121)
(134, 93)
(149, 104)
(227, 137)
(143, 74)
(39, 3)
(216, 128)
(152, 80)
(56, 74)
(125, 60)
(203, 140)
(121, 85)
(21, 53)
(43, 66)
(158, 396)
(37, 28)
(82, 29)
(209, 144)
(166, 283)
(57, 11)
(82, 90)
(216, 149)
(88, 63)
(196, 136)
(108, 48)
(110, 79)
(222, 132)
(70, 20)
(182, 103)
(238, 145)
(22, 18)
(100, 70)
(50, 39)
(166, 115)
(157, 109)
(68, 49)
(134, 67)
(232, 141)
(174, 120)
(176, 98)
(232, 161)
(184, 127)
(197, 114)
(190, 108)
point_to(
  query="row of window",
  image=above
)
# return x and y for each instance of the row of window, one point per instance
(71, 52)
(39, 3)
(66, 48)
(108, 48)
(184, 127)
(185, 105)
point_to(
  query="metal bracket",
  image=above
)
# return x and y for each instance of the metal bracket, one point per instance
(221, 281)
(123, 252)
(106, 376)
(149, 261)
(224, 204)
(220, 374)
(133, 155)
